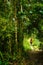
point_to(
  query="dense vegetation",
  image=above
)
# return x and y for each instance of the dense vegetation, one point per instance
(19, 22)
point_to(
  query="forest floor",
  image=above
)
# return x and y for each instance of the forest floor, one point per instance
(35, 59)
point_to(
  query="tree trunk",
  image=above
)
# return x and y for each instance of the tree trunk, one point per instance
(20, 32)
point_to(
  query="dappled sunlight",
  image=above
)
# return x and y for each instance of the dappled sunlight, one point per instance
(34, 46)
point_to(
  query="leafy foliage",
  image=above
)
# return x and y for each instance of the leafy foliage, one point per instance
(17, 19)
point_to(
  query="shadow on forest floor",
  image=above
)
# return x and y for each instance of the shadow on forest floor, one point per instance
(32, 58)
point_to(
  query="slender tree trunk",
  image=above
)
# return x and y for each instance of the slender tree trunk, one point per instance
(20, 31)
(14, 2)
(14, 9)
